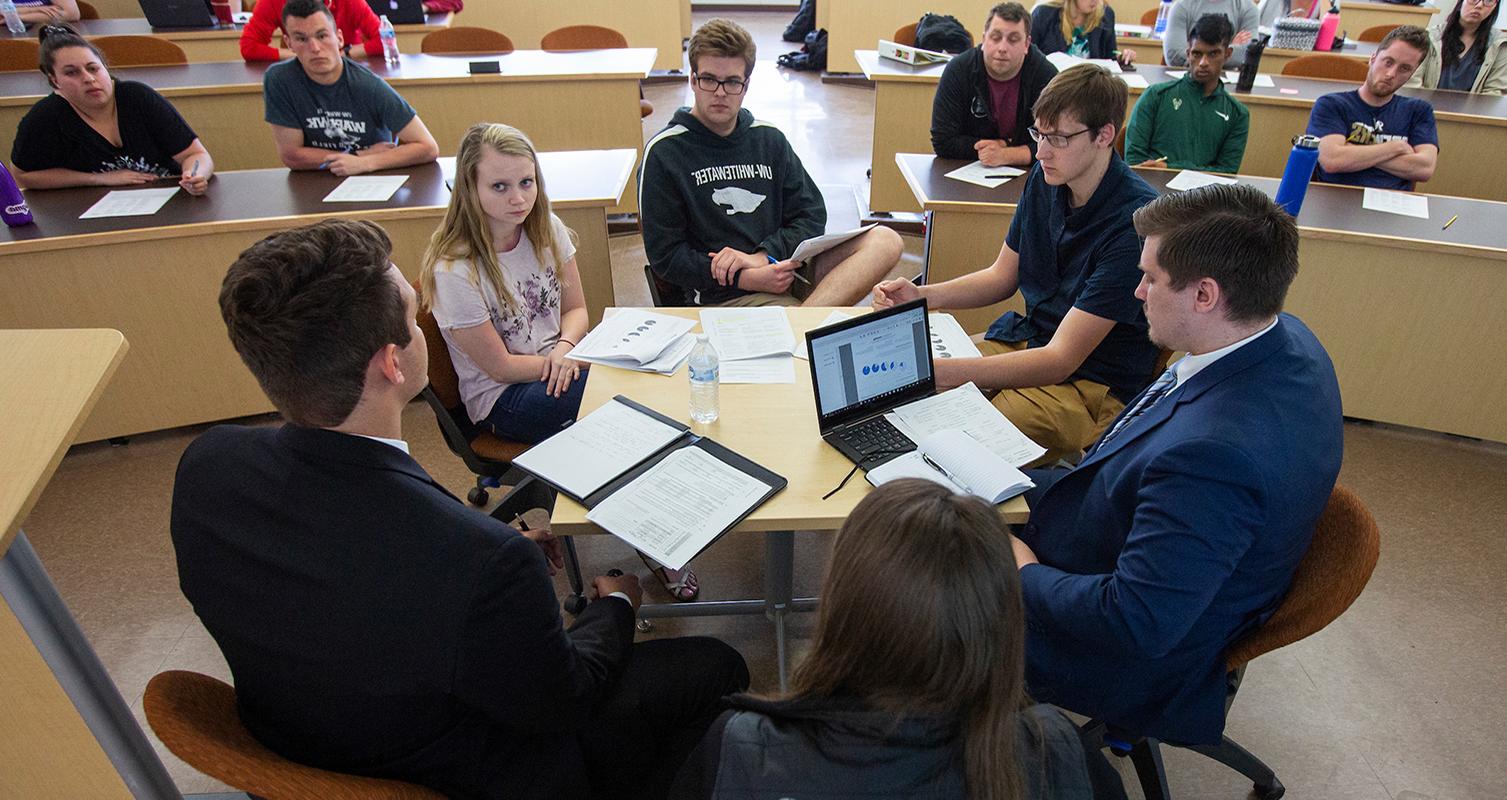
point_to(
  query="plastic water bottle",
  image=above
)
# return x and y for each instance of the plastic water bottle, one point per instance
(12, 17)
(389, 41)
(1163, 16)
(13, 206)
(1252, 65)
(703, 369)
(1300, 164)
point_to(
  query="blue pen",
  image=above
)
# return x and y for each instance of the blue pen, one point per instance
(193, 173)
(324, 165)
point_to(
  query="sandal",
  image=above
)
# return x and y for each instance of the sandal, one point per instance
(680, 583)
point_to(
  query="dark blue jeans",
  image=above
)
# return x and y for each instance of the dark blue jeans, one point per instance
(525, 412)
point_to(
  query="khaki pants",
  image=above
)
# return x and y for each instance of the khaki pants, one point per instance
(1065, 418)
(798, 292)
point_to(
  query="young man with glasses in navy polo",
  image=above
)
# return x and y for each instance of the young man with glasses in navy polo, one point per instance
(724, 200)
(1063, 370)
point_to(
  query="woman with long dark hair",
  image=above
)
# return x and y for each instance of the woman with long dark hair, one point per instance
(1469, 53)
(914, 683)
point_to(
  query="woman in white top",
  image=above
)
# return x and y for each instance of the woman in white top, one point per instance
(500, 277)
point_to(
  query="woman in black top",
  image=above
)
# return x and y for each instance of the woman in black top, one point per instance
(95, 131)
(1080, 28)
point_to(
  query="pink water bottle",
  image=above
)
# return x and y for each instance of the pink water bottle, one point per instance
(1327, 27)
(12, 205)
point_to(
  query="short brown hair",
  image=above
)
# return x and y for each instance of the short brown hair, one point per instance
(307, 309)
(298, 9)
(1009, 12)
(1088, 92)
(725, 38)
(1411, 35)
(1234, 234)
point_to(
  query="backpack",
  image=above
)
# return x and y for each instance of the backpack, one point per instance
(811, 56)
(942, 32)
(804, 22)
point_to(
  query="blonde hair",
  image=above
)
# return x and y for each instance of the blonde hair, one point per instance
(465, 232)
(1065, 19)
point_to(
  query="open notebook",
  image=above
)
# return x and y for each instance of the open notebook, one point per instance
(959, 462)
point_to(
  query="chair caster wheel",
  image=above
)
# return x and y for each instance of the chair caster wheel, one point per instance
(1272, 792)
(643, 626)
(477, 497)
(575, 604)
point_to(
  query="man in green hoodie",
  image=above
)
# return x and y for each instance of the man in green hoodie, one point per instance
(724, 200)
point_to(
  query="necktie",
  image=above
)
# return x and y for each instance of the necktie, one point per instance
(1158, 388)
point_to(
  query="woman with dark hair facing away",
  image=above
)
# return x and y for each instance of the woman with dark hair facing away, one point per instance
(1469, 54)
(1080, 28)
(96, 131)
(914, 683)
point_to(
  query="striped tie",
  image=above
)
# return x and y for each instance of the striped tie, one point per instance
(1158, 388)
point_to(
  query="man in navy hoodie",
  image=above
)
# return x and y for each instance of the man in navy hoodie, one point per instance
(724, 200)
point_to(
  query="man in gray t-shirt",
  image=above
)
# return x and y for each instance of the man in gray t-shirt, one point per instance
(328, 112)
(1242, 14)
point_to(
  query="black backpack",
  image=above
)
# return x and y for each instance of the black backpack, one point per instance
(942, 32)
(804, 22)
(812, 55)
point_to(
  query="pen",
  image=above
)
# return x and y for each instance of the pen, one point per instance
(324, 165)
(990, 177)
(1451, 222)
(938, 467)
(800, 277)
(195, 171)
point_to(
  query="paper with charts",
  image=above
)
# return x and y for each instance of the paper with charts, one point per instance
(635, 339)
(366, 189)
(598, 448)
(965, 409)
(130, 203)
(678, 506)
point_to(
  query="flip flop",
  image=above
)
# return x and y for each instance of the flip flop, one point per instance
(680, 583)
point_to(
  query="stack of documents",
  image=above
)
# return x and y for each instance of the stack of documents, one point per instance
(966, 410)
(754, 345)
(643, 341)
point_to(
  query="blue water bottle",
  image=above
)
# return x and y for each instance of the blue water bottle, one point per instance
(1300, 164)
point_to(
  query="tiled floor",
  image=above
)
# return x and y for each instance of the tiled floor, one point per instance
(1398, 700)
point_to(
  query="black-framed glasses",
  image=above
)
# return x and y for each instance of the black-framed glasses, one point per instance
(1057, 140)
(732, 86)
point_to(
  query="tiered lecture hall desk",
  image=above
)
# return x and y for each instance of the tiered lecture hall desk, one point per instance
(157, 279)
(658, 24)
(1411, 314)
(220, 43)
(775, 426)
(563, 101)
(65, 732)
(1472, 128)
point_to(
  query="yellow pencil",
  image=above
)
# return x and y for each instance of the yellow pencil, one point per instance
(1451, 222)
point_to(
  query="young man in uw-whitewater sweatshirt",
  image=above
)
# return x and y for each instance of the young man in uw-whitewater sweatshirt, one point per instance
(724, 200)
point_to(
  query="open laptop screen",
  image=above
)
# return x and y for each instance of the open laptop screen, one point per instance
(870, 362)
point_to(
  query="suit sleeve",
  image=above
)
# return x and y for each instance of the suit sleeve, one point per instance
(256, 37)
(1142, 124)
(665, 221)
(1199, 508)
(1175, 40)
(518, 664)
(804, 210)
(1232, 151)
(950, 112)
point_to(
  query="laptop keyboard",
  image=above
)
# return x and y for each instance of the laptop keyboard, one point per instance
(876, 436)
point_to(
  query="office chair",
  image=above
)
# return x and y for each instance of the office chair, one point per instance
(1334, 571)
(467, 40)
(1326, 65)
(139, 51)
(195, 717)
(18, 55)
(489, 458)
(662, 293)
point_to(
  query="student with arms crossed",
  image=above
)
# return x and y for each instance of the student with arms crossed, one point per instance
(1062, 371)
(357, 24)
(1372, 136)
(1469, 53)
(724, 200)
(913, 693)
(1192, 122)
(1180, 531)
(983, 103)
(1080, 28)
(1242, 14)
(96, 131)
(47, 11)
(329, 112)
(374, 623)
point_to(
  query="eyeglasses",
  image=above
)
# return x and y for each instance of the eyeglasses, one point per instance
(732, 86)
(1057, 140)
(1480, 3)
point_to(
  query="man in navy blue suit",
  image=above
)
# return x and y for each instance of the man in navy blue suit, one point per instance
(1182, 526)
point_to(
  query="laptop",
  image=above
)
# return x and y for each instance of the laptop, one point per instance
(862, 368)
(399, 12)
(178, 14)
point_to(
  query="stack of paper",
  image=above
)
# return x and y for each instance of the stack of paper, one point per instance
(965, 409)
(643, 341)
(754, 345)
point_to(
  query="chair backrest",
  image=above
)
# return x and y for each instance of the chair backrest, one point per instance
(906, 35)
(465, 39)
(1148, 17)
(1339, 561)
(1326, 65)
(1375, 33)
(443, 379)
(18, 55)
(87, 11)
(582, 37)
(139, 51)
(195, 716)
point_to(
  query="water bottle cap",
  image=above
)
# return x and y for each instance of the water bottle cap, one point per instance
(1306, 141)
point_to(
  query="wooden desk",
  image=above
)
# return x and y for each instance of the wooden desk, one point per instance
(222, 43)
(1358, 16)
(158, 278)
(563, 101)
(1411, 314)
(658, 24)
(1468, 124)
(53, 740)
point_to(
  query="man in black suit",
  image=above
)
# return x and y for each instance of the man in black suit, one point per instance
(373, 623)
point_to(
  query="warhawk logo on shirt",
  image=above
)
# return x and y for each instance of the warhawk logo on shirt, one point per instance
(733, 172)
(1361, 133)
(738, 201)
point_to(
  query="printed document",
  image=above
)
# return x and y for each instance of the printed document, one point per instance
(948, 339)
(965, 409)
(956, 460)
(740, 333)
(678, 506)
(598, 448)
(636, 339)
(769, 369)
(987, 177)
(1063, 61)
(130, 203)
(816, 245)
(366, 189)
(1192, 179)
(1405, 204)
